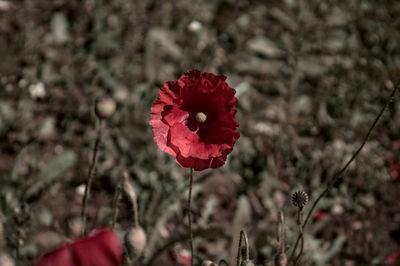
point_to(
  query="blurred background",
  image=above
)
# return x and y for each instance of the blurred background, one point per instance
(310, 77)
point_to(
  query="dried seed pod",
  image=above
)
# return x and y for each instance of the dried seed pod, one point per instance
(247, 263)
(299, 199)
(209, 263)
(104, 107)
(135, 241)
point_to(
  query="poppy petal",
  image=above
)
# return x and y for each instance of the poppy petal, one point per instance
(100, 248)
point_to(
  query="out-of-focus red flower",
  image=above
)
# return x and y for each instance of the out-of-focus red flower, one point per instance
(319, 215)
(100, 248)
(182, 257)
(393, 258)
(395, 171)
(193, 119)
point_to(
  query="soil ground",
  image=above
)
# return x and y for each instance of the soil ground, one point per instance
(310, 77)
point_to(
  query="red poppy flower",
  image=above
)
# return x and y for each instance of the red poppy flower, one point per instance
(393, 258)
(100, 248)
(193, 119)
(395, 171)
(320, 215)
(182, 257)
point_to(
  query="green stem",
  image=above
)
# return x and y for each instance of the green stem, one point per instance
(190, 216)
(91, 176)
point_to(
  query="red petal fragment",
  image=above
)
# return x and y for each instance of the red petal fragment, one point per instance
(100, 248)
(393, 258)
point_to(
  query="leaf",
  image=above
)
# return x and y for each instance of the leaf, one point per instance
(50, 173)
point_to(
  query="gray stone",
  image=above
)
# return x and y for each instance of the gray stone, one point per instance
(59, 28)
(48, 128)
(265, 47)
(256, 65)
(44, 216)
(29, 251)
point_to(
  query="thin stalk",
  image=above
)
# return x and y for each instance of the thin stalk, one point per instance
(281, 233)
(339, 175)
(299, 222)
(130, 191)
(2, 236)
(91, 175)
(135, 212)
(280, 258)
(189, 205)
(117, 196)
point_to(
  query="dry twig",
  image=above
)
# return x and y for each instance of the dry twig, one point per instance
(339, 174)
(91, 175)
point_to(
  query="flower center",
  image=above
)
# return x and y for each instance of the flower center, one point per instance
(201, 117)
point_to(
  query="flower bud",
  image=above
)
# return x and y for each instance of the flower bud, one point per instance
(299, 199)
(104, 107)
(135, 241)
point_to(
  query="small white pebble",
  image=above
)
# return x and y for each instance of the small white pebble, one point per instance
(80, 190)
(121, 95)
(357, 225)
(58, 149)
(337, 209)
(37, 90)
(22, 83)
(201, 45)
(194, 26)
(5, 5)
(9, 87)
(389, 84)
